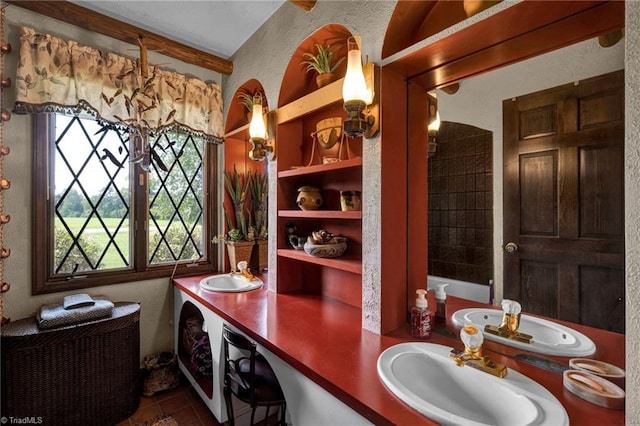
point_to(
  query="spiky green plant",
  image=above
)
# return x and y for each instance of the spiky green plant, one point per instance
(246, 99)
(238, 186)
(259, 194)
(321, 62)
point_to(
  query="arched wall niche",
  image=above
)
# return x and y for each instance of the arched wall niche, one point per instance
(236, 140)
(297, 82)
(237, 113)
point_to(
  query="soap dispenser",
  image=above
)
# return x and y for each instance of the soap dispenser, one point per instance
(421, 316)
(441, 305)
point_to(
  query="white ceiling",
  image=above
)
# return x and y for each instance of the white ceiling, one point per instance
(219, 27)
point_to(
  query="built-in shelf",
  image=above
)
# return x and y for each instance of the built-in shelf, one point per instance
(343, 263)
(310, 103)
(237, 130)
(321, 214)
(321, 168)
(297, 120)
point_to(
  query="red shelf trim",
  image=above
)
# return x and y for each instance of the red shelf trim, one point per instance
(321, 214)
(321, 168)
(344, 263)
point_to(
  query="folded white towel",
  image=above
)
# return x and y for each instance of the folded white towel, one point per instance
(55, 315)
(77, 301)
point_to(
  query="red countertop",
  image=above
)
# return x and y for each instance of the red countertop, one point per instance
(323, 340)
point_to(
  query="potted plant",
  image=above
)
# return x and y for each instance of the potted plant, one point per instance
(322, 62)
(246, 99)
(259, 207)
(239, 240)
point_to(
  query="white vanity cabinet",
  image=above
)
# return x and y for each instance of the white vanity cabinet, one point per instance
(209, 390)
(307, 402)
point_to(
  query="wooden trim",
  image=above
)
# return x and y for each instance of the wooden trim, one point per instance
(312, 102)
(522, 31)
(328, 95)
(305, 5)
(237, 130)
(40, 225)
(93, 21)
(322, 214)
(343, 263)
(321, 168)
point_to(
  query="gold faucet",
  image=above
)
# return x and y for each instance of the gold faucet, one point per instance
(510, 323)
(245, 271)
(472, 354)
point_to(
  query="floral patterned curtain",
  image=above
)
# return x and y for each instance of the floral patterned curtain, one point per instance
(62, 75)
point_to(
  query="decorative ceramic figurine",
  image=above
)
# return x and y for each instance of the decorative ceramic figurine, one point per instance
(309, 198)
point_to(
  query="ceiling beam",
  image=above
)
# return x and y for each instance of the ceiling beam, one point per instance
(99, 23)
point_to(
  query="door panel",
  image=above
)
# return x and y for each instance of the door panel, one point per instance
(600, 216)
(539, 287)
(563, 201)
(607, 304)
(538, 188)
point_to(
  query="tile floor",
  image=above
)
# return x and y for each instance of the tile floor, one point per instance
(182, 403)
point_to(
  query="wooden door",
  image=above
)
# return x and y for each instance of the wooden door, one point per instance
(563, 202)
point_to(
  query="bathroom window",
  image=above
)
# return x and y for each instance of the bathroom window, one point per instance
(110, 208)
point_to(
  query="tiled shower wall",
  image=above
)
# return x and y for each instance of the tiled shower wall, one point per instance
(461, 204)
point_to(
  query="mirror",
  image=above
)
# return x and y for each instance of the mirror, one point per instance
(475, 111)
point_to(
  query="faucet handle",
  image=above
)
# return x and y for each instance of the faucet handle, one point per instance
(511, 306)
(510, 323)
(471, 337)
(472, 355)
(242, 265)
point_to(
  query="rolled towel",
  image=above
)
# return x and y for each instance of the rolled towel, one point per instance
(55, 315)
(77, 301)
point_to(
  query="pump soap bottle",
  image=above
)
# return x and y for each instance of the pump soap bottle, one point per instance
(421, 316)
(441, 305)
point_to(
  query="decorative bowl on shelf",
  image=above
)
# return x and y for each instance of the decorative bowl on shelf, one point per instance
(331, 249)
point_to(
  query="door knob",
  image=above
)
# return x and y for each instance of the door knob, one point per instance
(511, 248)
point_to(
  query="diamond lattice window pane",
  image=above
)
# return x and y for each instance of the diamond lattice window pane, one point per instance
(176, 199)
(92, 197)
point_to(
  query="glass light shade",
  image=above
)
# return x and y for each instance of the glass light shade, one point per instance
(257, 128)
(434, 126)
(355, 85)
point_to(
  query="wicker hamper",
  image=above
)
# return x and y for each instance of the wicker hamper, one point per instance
(84, 374)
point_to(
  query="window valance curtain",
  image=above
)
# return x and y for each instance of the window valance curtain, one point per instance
(61, 75)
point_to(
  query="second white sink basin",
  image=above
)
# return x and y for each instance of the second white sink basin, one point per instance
(229, 283)
(549, 337)
(424, 377)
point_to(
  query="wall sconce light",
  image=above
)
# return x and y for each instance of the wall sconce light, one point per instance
(432, 131)
(258, 134)
(358, 94)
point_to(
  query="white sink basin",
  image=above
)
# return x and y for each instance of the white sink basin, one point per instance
(229, 283)
(549, 337)
(424, 377)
